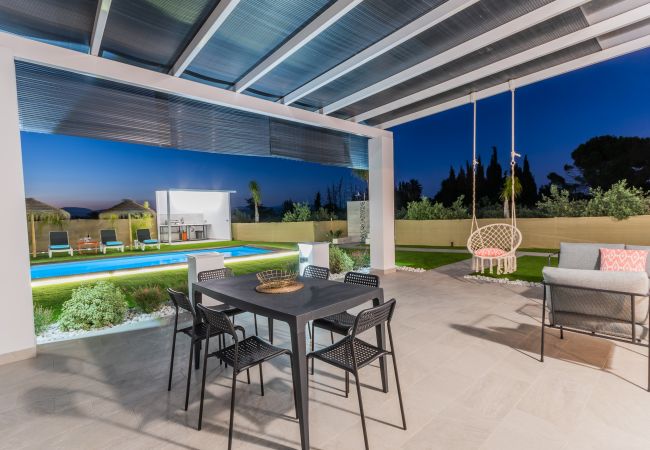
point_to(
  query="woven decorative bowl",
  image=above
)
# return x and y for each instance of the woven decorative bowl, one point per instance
(278, 281)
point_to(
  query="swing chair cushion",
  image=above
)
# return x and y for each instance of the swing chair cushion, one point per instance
(489, 252)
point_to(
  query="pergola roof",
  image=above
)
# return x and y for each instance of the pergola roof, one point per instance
(40, 210)
(376, 62)
(125, 208)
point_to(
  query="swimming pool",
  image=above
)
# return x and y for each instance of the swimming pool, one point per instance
(133, 262)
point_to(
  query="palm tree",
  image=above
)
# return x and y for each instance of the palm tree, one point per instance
(256, 194)
(506, 194)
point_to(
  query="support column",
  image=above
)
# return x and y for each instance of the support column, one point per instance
(17, 339)
(382, 204)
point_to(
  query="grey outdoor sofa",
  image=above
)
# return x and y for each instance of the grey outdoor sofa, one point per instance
(579, 297)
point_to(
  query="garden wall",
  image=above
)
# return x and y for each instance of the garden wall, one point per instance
(80, 228)
(286, 231)
(538, 233)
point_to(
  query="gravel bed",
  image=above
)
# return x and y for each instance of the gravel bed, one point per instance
(55, 333)
(503, 281)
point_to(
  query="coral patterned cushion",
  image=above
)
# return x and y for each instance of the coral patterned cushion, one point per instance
(620, 260)
(490, 252)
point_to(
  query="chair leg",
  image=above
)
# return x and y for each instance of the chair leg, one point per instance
(261, 380)
(205, 369)
(189, 376)
(255, 320)
(248, 376)
(171, 363)
(308, 330)
(332, 336)
(399, 391)
(541, 350)
(363, 417)
(313, 339)
(561, 332)
(232, 408)
(347, 384)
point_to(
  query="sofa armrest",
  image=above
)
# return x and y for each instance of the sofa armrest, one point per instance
(628, 283)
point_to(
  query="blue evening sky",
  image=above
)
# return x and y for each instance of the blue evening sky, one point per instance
(553, 117)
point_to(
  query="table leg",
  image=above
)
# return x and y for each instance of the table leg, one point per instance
(381, 343)
(270, 330)
(299, 371)
(198, 298)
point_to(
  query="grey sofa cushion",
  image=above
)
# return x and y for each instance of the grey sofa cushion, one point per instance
(582, 256)
(577, 300)
(642, 247)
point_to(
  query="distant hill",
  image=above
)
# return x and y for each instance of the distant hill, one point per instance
(80, 213)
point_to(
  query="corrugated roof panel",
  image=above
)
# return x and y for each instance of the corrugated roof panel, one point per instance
(252, 31)
(559, 26)
(66, 23)
(366, 24)
(568, 54)
(152, 33)
(469, 23)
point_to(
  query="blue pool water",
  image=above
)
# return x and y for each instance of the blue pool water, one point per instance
(133, 262)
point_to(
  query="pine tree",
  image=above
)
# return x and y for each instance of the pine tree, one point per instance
(529, 195)
(493, 178)
(448, 189)
(317, 202)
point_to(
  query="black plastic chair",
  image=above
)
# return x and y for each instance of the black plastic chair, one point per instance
(322, 273)
(242, 355)
(352, 354)
(197, 332)
(220, 274)
(319, 272)
(341, 323)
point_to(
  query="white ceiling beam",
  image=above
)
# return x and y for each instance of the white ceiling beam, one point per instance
(48, 55)
(300, 39)
(419, 25)
(560, 69)
(214, 21)
(103, 7)
(496, 34)
(577, 37)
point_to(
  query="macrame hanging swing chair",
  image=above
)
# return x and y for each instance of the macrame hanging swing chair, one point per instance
(495, 244)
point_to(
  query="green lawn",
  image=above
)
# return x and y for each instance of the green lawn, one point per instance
(53, 296)
(427, 260)
(529, 268)
(59, 257)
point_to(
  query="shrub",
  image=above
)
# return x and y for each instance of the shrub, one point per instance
(339, 260)
(149, 298)
(360, 258)
(321, 215)
(620, 201)
(424, 209)
(300, 213)
(559, 204)
(239, 216)
(42, 318)
(181, 287)
(334, 234)
(93, 306)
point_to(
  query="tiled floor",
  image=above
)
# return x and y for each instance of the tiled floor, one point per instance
(467, 354)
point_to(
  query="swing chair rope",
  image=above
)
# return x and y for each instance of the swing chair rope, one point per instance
(513, 163)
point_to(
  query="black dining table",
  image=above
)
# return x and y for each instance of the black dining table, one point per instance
(318, 298)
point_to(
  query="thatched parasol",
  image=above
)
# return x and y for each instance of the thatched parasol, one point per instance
(37, 210)
(126, 209)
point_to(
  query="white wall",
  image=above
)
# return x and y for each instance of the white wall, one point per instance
(17, 339)
(211, 207)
